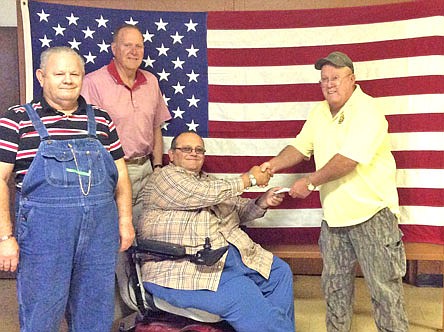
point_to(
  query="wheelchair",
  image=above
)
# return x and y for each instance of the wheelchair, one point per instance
(153, 314)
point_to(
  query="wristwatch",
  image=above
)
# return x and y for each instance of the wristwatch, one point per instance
(310, 186)
(253, 181)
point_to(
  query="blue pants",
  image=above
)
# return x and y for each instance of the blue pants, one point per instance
(246, 300)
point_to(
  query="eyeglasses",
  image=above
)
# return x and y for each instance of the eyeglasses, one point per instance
(189, 149)
(335, 80)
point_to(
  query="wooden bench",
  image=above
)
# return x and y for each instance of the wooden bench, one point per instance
(414, 252)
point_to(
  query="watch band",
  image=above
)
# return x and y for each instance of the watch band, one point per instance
(253, 181)
(310, 186)
(6, 237)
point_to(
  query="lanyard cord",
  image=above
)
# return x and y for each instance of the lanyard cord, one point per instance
(85, 193)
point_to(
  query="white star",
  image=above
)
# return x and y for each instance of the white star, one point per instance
(191, 26)
(162, 50)
(148, 36)
(192, 76)
(166, 99)
(45, 41)
(161, 25)
(178, 63)
(131, 21)
(72, 19)
(149, 62)
(163, 75)
(101, 22)
(88, 33)
(104, 46)
(192, 51)
(176, 38)
(74, 44)
(165, 125)
(43, 16)
(193, 101)
(192, 126)
(89, 57)
(59, 30)
(178, 88)
(178, 113)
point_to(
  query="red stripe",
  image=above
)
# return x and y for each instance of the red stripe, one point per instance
(311, 202)
(323, 17)
(402, 86)
(400, 123)
(240, 164)
(310, 235)
(285, 56)
(420, 197)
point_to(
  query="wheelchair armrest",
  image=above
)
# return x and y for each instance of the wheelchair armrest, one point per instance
(160, 247)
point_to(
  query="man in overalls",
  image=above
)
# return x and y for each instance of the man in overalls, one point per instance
(73, 202)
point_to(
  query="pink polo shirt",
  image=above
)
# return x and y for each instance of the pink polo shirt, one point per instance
(135, 112)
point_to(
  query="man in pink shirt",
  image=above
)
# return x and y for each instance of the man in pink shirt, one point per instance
(133, 99)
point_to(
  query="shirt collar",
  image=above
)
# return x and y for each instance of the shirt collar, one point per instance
(46, 108)
(112, 69)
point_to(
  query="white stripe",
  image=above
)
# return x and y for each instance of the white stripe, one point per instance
(29, 73)
(410, 215)
(297, 37)
(420, 178)
(420, 141)
(303, 74)
(290, 111)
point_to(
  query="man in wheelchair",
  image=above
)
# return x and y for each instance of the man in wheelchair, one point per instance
(247, 287)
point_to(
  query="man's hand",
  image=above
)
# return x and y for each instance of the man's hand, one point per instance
(262, 178)
(299, 188)
(127, 235)
(9, 255)
(269, 198)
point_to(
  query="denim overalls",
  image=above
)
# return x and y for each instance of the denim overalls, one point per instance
(67, 230)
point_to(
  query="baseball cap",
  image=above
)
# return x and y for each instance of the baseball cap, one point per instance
(337, 59)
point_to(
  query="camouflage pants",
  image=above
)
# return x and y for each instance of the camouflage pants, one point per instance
(377, 245)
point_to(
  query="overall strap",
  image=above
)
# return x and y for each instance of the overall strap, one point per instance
(36, 121)
(91, 121)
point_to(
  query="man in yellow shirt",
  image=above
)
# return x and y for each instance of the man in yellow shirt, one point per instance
(355, 172)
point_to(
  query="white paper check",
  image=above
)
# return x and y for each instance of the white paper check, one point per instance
(283, 190)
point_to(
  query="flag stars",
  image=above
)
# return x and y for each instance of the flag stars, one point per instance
(149, 62)
(165, 126)
(176, 38)
(104, 46)
(101, 22)
(45, 41)
(192, 126)
(166, 99)
(43, 16)
(192, 51)
(178, 113)
(192, 76)
(131, 21)
(88, 33)
(163, 75)
(72, 19)
(59, 30)
(178, 88)
(162, 50)
(89, 57)
(193, 101)
(191, 26)
(74, 44)
(178, 63)
(147, 36)
(161, 25)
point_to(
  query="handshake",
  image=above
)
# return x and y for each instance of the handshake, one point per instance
(258, 177)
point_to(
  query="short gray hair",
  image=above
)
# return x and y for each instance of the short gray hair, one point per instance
(46, 54)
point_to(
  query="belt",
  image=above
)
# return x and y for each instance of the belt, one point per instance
(137, 160)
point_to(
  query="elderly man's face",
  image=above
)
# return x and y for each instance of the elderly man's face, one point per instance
(191, 161)
(337, 85)
(128, 49)
(61, 80)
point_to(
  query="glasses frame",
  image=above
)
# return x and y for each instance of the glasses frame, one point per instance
(188, 149)
(335, 81)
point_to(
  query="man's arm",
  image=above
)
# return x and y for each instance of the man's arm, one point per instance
(9, 250)
(157, 146)
(124, 206)
(288, 157)
(336, 168)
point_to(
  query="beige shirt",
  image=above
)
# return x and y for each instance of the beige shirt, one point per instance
(359, 131)
(184, 208)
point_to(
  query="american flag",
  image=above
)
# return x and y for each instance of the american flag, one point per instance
(245, 81)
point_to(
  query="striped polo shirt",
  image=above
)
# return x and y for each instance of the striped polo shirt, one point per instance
(19, 141)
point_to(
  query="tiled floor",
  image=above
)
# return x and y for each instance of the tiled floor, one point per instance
(423, 305)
